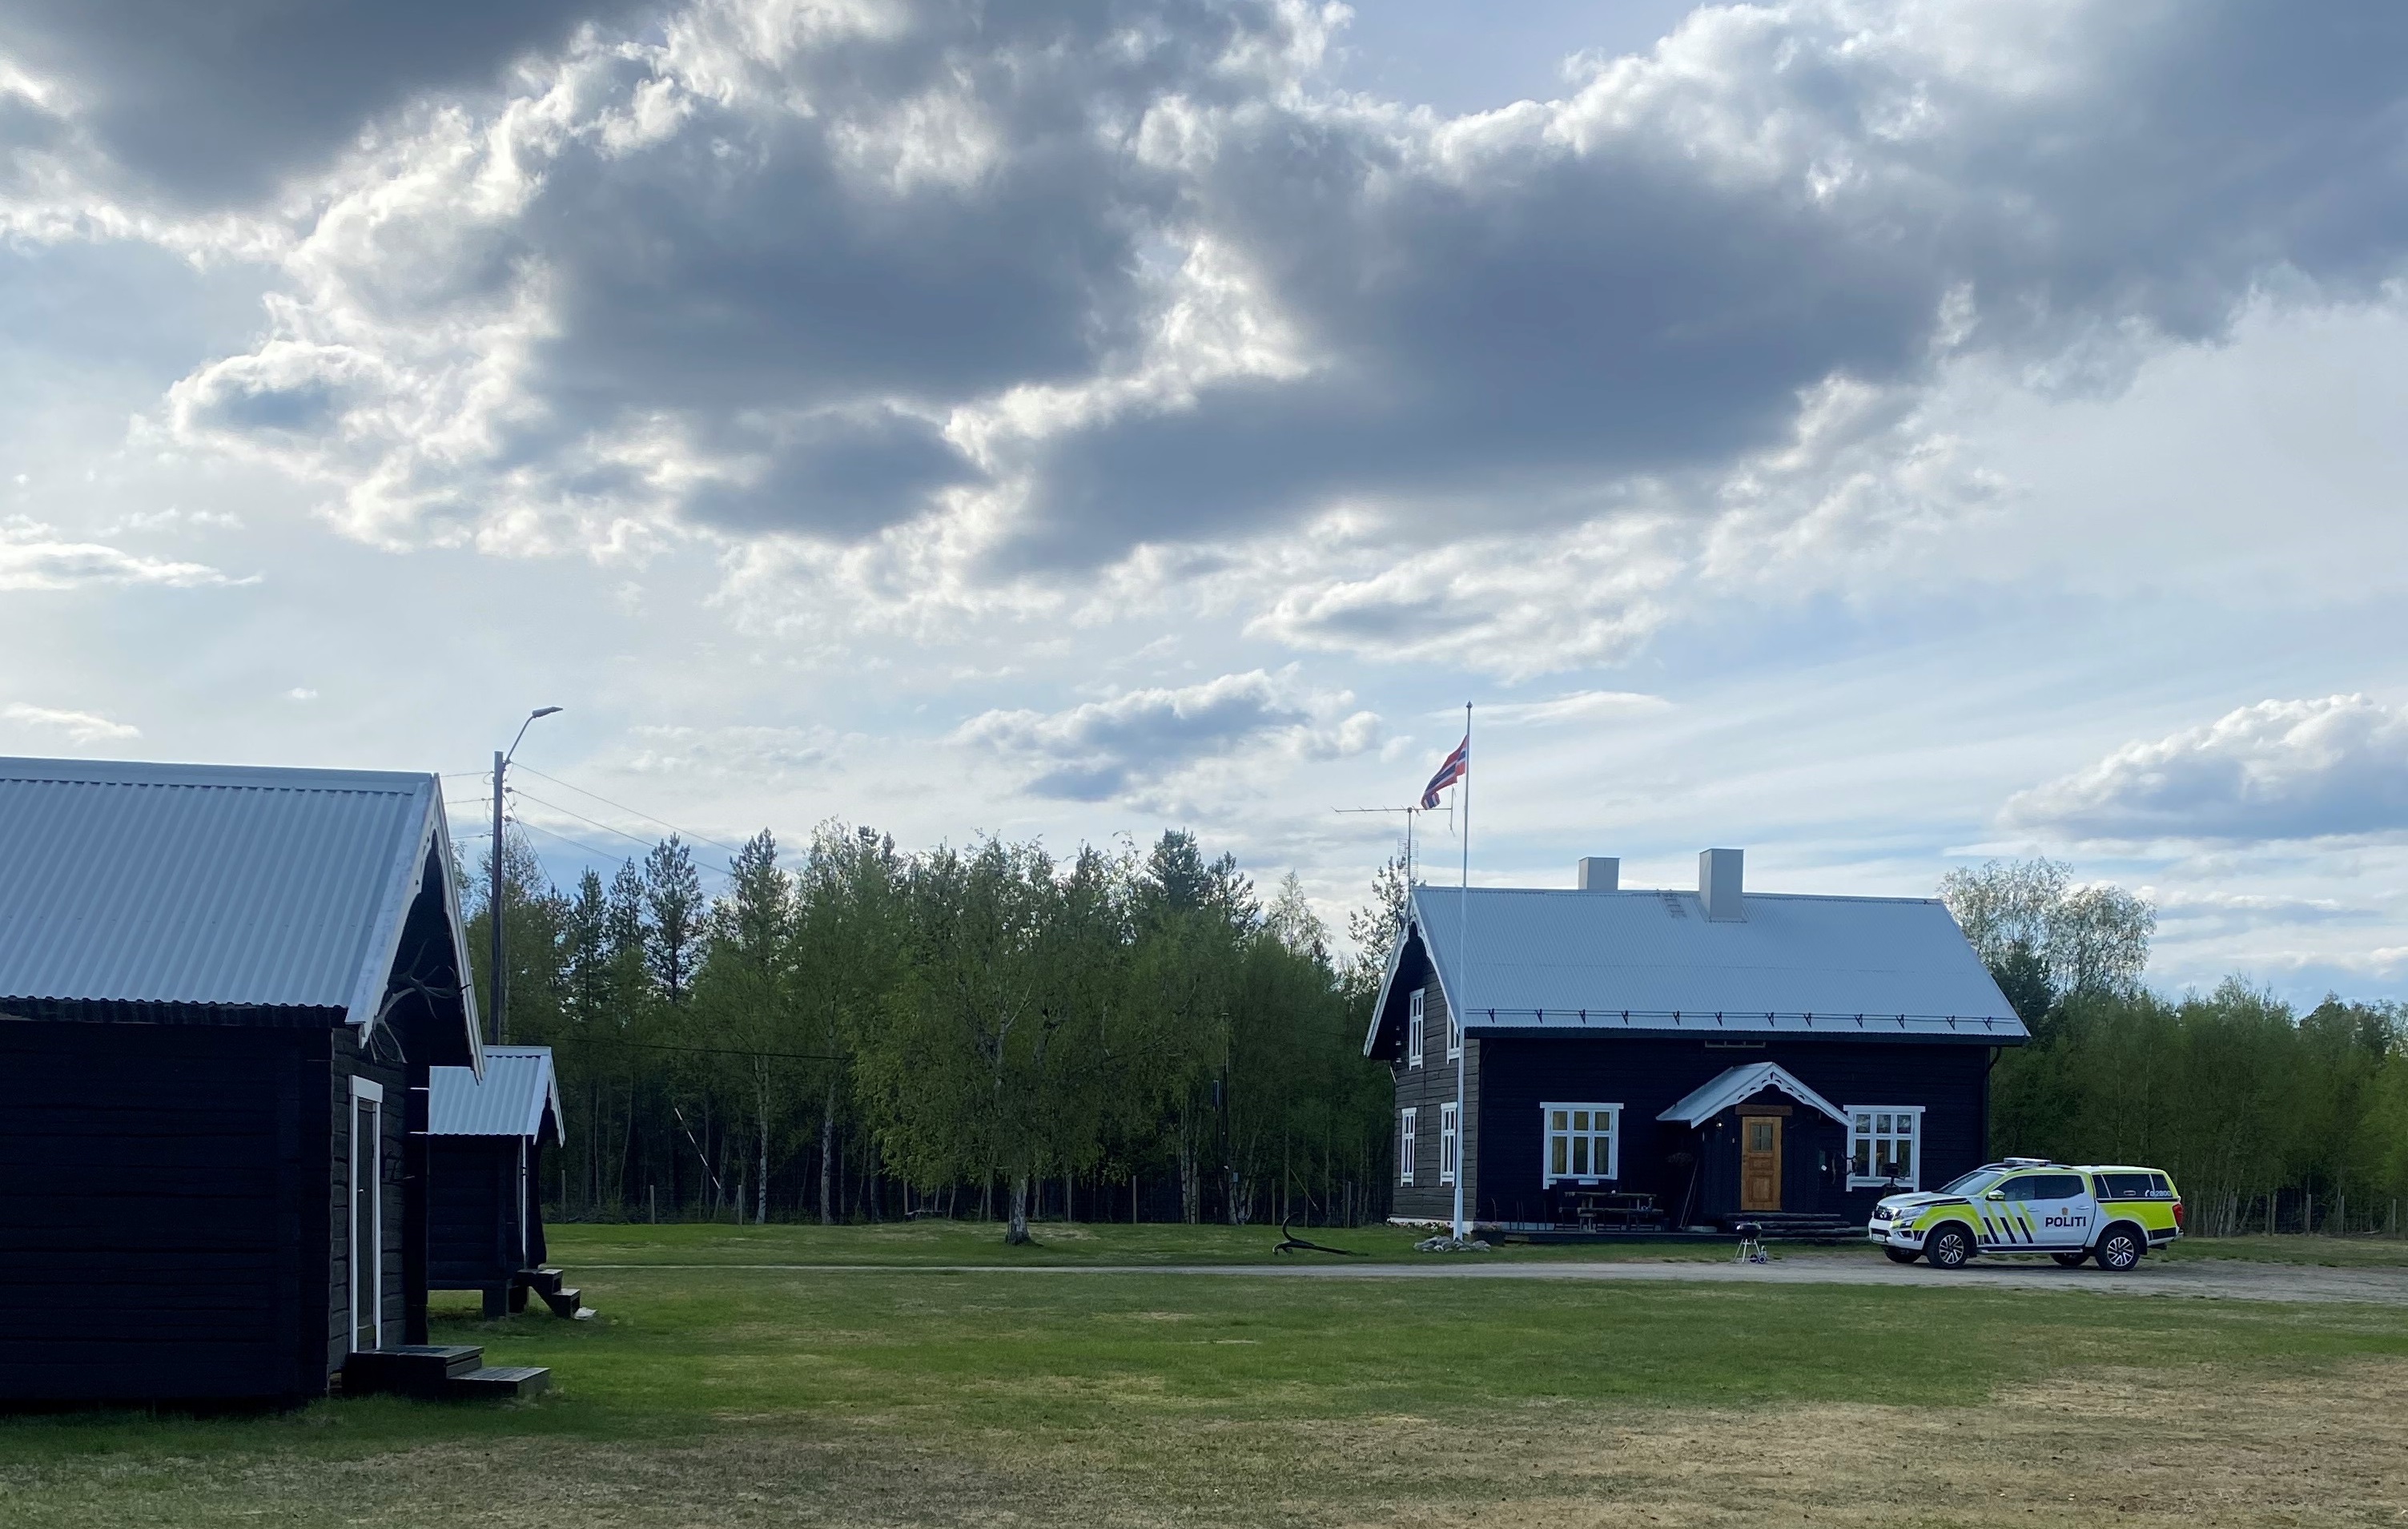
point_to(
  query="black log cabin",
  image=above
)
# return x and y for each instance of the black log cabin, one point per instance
(1681, 1058)
(221, 990)
(485, 1141)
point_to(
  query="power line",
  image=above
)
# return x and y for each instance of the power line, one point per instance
(593, 850)
(606, 828)
(647, 818)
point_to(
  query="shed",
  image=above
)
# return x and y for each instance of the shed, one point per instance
(485, 1141)
(220, 992)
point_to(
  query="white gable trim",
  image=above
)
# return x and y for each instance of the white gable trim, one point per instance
(1732, 1085)
(1412, 932)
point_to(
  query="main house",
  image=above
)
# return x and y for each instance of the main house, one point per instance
(1679, 1057)
(221, 990)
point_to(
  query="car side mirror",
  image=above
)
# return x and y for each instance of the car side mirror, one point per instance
(1996, 1194)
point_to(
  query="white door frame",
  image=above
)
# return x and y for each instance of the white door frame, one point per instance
(369, 1092)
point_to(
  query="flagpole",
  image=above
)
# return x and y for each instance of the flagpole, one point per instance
(1463, 963)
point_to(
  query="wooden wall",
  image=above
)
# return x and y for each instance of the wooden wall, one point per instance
(334, 1093)
(1646, 1075)
(1426, 1087)
(472, 1220)
(158, 1187)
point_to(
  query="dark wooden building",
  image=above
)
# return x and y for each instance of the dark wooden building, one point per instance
(1681, 1058)
(220, 992)
(485, 1141)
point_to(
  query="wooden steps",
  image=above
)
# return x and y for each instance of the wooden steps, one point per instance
(437, 1372)
(545, 1283)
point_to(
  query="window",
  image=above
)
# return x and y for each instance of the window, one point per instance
(1882, 1146)
(1413, 1034)
(1446, 1148)
(1453, 1037)
(1406, 1128)
(2031, 1187)
(1582, 1142)
(2133, 1185)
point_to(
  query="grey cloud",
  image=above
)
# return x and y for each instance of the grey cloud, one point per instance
(2279, 770)
(1106, 749)
(989, 219)
(210, 103)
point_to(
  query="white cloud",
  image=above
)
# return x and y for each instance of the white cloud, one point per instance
(300, 693)
(34, 556)
(1141, 740)
(1575, 706)
(2277, 770)
(77, 727)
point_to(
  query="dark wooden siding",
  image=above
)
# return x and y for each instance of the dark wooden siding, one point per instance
(345, 1062)
(1645, 1076)
(154, 1199)
(472, 1214)
(1427, 1087)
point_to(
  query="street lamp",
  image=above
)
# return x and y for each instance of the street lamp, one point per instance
(494, 905)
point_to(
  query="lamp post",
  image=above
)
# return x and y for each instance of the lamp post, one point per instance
(499, 988)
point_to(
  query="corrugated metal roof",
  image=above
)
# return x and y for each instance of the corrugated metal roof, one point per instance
(519, 1088)
(209, 883)
(1651, 960)
(1734, 1085)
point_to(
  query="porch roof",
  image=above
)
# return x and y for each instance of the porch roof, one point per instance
(1734, 1085)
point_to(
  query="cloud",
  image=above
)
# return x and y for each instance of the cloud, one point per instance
(300, 693)
(77, 727)
(936, 306)
(763, 753)
(2278, 770)
(214, 102)
(1575, 706)
(34, 556)
(1111, 749)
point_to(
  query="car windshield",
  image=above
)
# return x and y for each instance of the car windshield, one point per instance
(1972, 1183)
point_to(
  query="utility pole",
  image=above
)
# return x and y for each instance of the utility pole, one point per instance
(499, 986)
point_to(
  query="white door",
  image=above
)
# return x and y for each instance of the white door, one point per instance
(2044, 1211)
(365, 1245)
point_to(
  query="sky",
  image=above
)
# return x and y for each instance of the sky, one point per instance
(1880, 437)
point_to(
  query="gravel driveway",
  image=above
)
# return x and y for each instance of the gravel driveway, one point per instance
(2232, 1279)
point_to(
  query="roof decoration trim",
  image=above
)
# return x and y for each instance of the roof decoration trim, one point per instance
(1737, 1085)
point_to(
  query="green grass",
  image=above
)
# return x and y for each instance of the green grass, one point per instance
(726, 1394)
(2338, 1252)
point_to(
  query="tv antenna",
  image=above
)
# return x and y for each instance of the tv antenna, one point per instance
(1410, 813)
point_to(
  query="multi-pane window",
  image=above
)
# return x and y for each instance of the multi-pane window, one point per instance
(1582, 1142)
(1446, 1144)
(1882, 1141)
(1413, 1030)
(1454, 1036)
(1408, 1126)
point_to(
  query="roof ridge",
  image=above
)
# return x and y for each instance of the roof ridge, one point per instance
(223, 777)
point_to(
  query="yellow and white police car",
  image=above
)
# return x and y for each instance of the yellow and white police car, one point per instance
(2071, 1213)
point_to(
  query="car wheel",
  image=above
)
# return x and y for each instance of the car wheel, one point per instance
(1899, 1255)
(2071, 1261)
(2119, 1250)
(1949, 1247)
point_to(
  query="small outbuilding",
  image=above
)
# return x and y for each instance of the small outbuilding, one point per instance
(221, 990)
(485, 1141)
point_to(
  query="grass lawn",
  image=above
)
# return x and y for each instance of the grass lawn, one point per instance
(726, 1396)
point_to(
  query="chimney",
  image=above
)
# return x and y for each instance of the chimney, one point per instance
(1718, 883)
(1601, 873)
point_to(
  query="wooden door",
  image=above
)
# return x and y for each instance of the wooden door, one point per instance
(1759, 1162)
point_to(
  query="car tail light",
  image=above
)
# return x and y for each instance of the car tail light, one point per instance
(2178, 1221)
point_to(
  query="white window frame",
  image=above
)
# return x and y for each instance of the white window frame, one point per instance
(369, 1092)
(1912, 1177)
(1548, 1135)
(1450, 1144)
(1413, 1030)
(1407, 1130)
(1454, 1036)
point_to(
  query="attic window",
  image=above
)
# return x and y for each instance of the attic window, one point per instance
(1413, 1031)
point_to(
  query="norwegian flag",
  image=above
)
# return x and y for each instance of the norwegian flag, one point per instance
(1457, 766)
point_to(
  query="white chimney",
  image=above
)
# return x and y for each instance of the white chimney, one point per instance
(1718, 883)
(1601, 873)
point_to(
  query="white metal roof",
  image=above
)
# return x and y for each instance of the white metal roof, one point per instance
(517, 1094)
(1651, 960)
(1734, 1085)
(215, 885)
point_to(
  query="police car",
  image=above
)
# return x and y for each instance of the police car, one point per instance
(2071, 1213)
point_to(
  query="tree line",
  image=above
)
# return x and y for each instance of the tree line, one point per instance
(2270, 1119)
(856, 1032)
